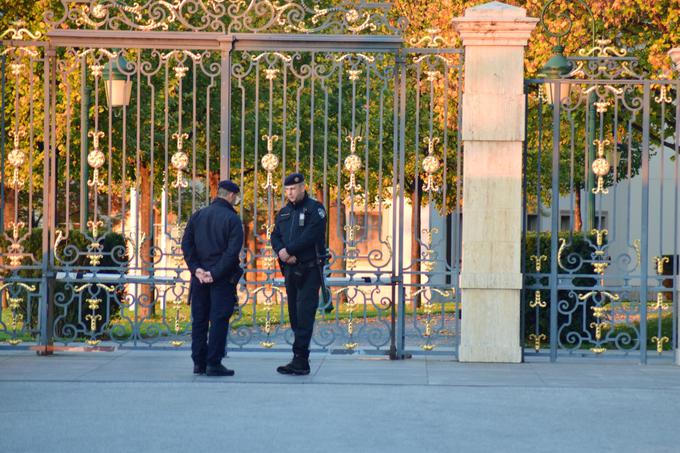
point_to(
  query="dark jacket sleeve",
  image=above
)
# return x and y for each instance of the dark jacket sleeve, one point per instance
(310, 235)
(276, 239)
(189, 247)
(229, 261)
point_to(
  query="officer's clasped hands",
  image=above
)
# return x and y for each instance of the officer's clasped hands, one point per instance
(286, 257)
(203, 276)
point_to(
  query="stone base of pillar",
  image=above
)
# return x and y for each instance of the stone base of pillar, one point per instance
(489, 326)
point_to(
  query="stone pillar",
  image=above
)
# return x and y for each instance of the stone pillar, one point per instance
(675, 56)
(494, 35)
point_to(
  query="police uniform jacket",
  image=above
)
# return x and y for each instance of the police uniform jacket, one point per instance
(213, 239)
(300, 228)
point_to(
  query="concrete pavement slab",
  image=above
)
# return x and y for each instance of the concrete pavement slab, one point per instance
(150, 401)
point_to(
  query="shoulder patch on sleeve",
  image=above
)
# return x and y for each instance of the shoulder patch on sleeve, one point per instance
(322, 212)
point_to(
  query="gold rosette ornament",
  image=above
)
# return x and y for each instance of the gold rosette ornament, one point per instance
(353, 163)
(96, 160)
(600, 167)
(431, 165)
(269, 161)
(180, 161)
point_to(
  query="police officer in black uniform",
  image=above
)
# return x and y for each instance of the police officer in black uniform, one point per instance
(211, 246)
(298, 239)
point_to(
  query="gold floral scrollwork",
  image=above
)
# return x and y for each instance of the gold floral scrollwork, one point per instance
(659, 343)
(428, 255)
(269, 257)
(16, 69)
(537, 339)
(353, 163)
(659, 303)
(603, 49)
(95, 256)
(600, 166)
(428, 311)
(270, 73)
(96, 160)
(599, 326)
(431, 165)
(537, 302)
(354, 74)
(352, 16)
(660, 261)
(601, 106)
(96, 70)
(270, 162)
(17, 158)
(93, 305)
(432, 75)
(18, 32)
(180, 161)
(600, 266)
(351, 304)
(15, 251)
(538, 261)
(351, 252)
(599, 236)
(663, 97)
(14, 304)
(560, 251)
(270, 292)
(180, 71)
(432, 40)
(177, 303)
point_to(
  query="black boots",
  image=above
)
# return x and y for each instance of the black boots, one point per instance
(299, 366)
(218, 370)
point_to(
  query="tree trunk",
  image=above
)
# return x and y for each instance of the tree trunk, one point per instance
(146, 295)
(415, 244)
(213, 181)
(578, 220)
(9, 217)
(336, 233)
(336, 226)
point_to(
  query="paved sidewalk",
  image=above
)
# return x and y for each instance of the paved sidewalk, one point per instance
(150, 401)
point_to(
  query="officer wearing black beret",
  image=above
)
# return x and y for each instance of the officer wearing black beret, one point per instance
(211, 246)
(298, 239)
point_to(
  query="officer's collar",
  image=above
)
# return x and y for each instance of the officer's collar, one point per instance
(301, 202)
(221, 201)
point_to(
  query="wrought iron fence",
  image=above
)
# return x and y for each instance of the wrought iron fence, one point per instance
(601, 204)
(119, 124)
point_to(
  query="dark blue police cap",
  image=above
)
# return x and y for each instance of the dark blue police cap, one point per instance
(293, 178)
(228, 185)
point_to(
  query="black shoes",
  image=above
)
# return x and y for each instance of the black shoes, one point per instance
(199, 369)
(299, 366)
(218, 370)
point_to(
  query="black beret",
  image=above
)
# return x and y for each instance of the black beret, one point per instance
(228, 185)
(293, 178)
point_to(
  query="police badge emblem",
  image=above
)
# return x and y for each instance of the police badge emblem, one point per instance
(322, 213)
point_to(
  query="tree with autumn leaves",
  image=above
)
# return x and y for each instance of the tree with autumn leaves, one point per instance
(646, 27)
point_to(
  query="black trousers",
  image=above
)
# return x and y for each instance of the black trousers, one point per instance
(302, 289)
(211, 307)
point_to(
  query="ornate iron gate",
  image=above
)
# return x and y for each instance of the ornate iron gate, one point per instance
(602, 212)
(122, 120)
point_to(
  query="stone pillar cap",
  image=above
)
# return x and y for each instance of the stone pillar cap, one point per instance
(675, 56)
(495, 24)
(495, 10)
